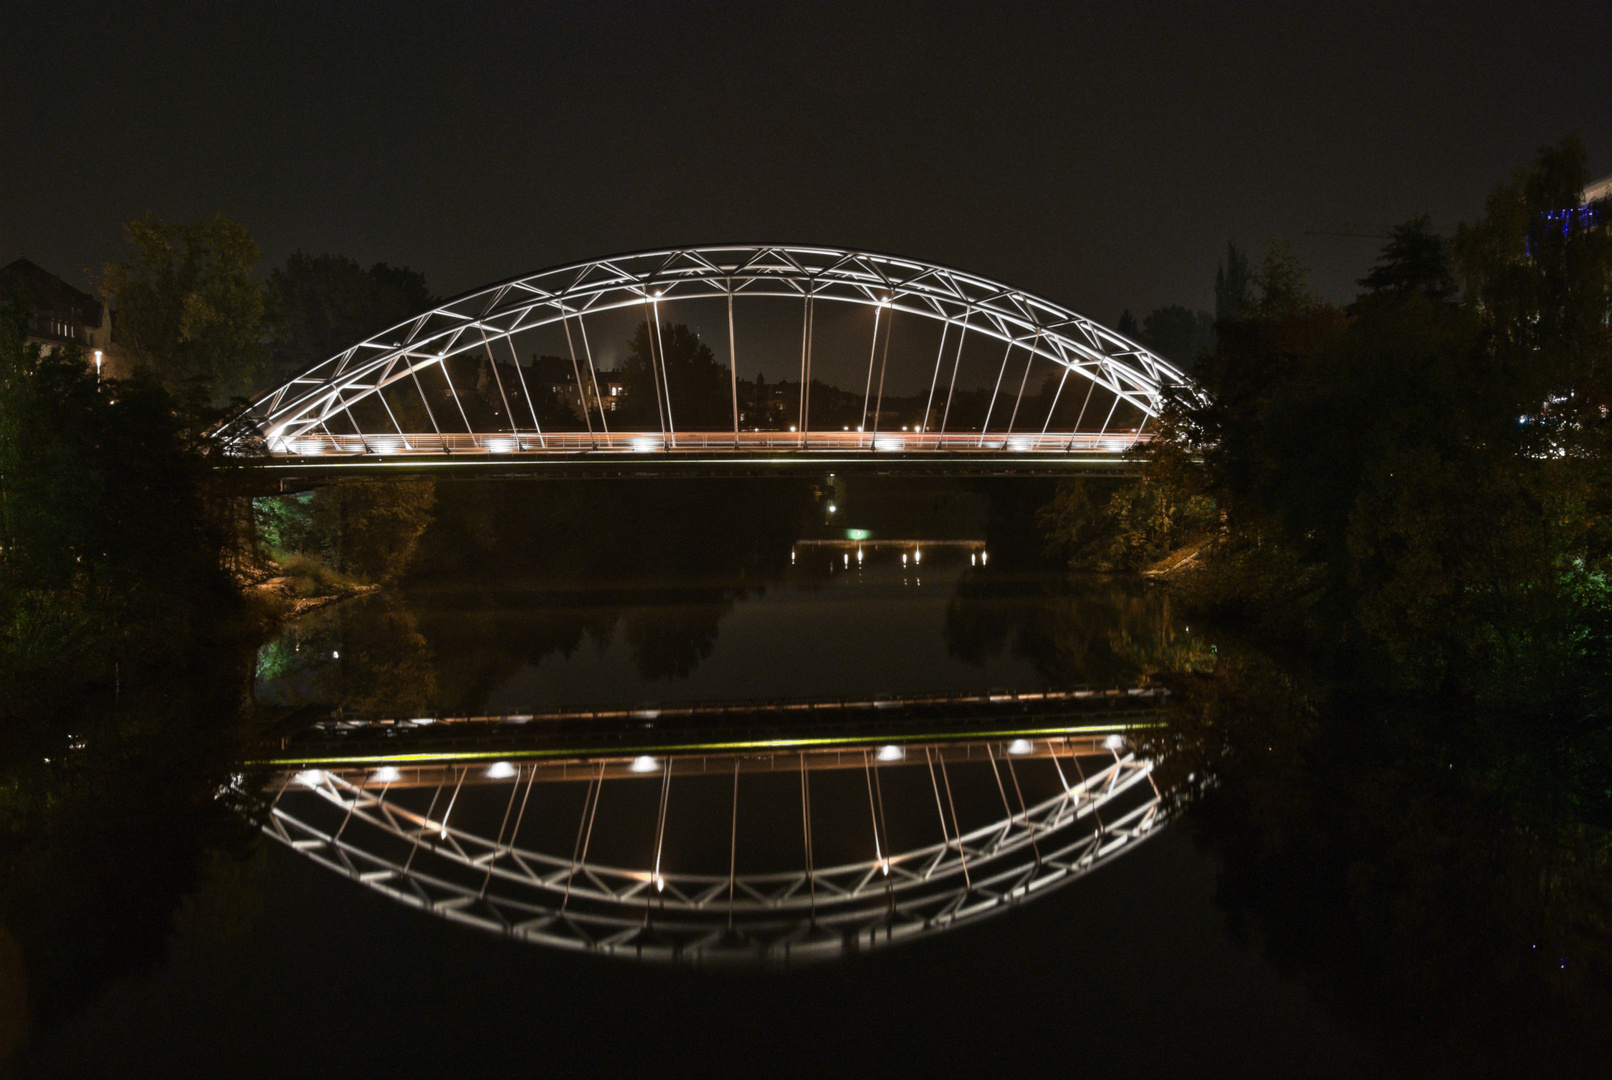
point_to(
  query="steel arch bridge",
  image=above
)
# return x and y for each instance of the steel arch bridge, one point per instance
(995, 380)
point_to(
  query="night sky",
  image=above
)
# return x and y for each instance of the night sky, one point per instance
(1098, 155)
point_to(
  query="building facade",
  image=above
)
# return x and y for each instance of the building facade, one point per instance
(60, 315)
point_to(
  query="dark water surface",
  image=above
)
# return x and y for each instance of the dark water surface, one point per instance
(280, 967)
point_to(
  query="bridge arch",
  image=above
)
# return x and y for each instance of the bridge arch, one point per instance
(372, 398)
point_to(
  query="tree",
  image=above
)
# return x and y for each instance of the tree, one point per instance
(679, 366)
(1283, 283)
(109, 546)
(1539, 268)
(1127, 325)
(189, 309)
(317, 305)
(1178, 334)
(1415, 263)
(1232, 284)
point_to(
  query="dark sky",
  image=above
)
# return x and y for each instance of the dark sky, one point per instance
(1098, 155)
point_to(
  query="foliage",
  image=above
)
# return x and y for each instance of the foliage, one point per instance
(1414, 263)
(367, 531)
(1232, 283)
(1375, 491)
(319, 304)
(1178, 334)
(678, 366)
(189, 309)
(112, 546)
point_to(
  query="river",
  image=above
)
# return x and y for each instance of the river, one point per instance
(587, 600)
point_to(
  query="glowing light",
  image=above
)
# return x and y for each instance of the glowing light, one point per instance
(500, 446)
(386, 774)
(644, 763)
(310, 777)
(1114, 742)
(500, 770)
(917, 556)
(847, 559)
(335, 654)
(857, 534)
(832, 508)
(1020, 746)
(791, 427)
(424, 720)
(660, 883)
(859, 554)
(644, 444)
(890, 753)
(903, 558)
(984, 557)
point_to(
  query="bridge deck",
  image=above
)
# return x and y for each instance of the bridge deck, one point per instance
(752, 453)
(741, 442)
(805, 724)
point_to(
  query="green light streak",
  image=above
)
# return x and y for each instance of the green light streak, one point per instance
(693, 748)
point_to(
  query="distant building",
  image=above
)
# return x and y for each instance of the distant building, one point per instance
(558, 374)
(59, 314)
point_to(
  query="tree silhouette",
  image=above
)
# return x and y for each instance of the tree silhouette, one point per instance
(674, 382)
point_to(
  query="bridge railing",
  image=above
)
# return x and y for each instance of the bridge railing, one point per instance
(744, 442)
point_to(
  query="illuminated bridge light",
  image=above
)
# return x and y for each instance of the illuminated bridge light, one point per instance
(1020, 746)
(890, 753)
(386, 774)
(644, 763)
(500, 770)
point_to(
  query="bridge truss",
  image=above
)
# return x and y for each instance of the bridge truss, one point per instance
(402, 392)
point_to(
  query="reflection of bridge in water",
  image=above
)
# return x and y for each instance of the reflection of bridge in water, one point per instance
(761, 831)
(896, 363)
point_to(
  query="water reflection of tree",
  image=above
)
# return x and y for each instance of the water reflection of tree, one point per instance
(1439, 876)
(512, 573)
(1075, 630)
(368, 654)
(108, 821)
